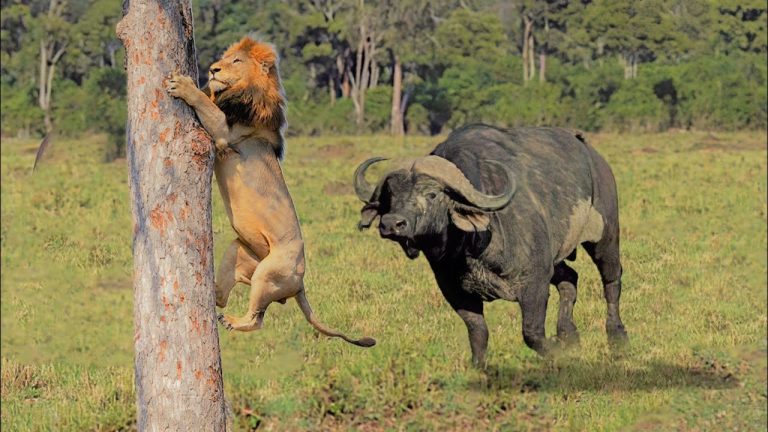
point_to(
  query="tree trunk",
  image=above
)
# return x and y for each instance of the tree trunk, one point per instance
(332, 88)
(170, 162)
(43, 94)
(543, 48)
(528, 25)
(359, 81)
(634, 66)
(52, 48)
(531, 57)
(342, 67)
(396, 125)
(373, 65)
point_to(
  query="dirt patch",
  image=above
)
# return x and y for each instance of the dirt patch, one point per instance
(714, 143)
(115, 284)
(337, 188)
(342, 149)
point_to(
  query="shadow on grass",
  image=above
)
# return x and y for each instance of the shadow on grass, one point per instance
(579, 375)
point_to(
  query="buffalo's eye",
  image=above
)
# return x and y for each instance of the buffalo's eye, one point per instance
(431, 196)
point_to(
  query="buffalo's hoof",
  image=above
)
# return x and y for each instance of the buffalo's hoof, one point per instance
(618, 341)
(569, 340)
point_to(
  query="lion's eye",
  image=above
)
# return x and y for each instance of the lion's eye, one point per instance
(236, 60)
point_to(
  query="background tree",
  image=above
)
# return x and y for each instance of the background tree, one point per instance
(53, 41)
(365, 66)
(170, 161)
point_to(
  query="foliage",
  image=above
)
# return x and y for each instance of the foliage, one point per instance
(693, 215)
(594, 65)
(417, 119)
(634, 107)
(19, 115)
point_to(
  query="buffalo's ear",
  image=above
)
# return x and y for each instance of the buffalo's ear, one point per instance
(368, 215)
(470, 220)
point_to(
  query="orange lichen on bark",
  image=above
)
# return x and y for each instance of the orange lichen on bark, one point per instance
(161, 351)
(163, 136)
(195, 321)
(158, 221)
(184, 212)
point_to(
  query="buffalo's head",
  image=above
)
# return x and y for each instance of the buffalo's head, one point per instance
(419, 203)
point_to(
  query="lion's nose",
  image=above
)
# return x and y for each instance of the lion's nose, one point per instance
(214, 69)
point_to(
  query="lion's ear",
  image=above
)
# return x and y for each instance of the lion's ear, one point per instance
(265, 66)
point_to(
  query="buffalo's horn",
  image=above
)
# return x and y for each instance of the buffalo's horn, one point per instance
(363, 189)
(451, 176)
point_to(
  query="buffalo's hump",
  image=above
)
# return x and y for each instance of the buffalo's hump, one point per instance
(553, 171)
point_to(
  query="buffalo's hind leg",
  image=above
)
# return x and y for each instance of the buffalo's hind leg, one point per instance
(605, 255)
(565, 279)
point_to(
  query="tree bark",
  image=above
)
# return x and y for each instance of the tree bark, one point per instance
(531, 57)
(52, 48)
(332, 88)
(396, 125)
(543, 48)
(170, 161)
(342, 67)
(359, 81)
(528, 25)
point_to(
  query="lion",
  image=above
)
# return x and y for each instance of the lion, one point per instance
(244, 112)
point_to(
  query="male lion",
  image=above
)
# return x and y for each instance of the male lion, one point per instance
(244, 113)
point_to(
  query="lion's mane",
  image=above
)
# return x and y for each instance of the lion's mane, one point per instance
(256, 99)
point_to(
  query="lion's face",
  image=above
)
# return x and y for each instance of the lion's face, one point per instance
(236, 70)
(245, 85)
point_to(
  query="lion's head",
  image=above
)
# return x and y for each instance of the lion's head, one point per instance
(245, 85)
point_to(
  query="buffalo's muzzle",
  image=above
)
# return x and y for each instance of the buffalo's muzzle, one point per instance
(393, 225)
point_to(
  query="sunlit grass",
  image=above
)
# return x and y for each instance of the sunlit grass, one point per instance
(693, 215)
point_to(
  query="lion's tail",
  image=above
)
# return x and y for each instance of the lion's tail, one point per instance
(301, 299)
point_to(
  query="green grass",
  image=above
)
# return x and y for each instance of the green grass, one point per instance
(693, 214)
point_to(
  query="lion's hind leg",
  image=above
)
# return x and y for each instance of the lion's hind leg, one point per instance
(237, 265)
(276, 278)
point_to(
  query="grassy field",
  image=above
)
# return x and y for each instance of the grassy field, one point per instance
(693, 214)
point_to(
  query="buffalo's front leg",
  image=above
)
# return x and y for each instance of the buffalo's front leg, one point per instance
(471, 311)
(533, 305)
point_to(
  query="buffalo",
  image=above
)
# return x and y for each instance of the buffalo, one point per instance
(497, 212)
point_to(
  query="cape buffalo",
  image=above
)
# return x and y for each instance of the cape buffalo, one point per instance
(496, 212)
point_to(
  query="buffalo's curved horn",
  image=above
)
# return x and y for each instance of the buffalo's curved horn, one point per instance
(363, 189)
(451, 176)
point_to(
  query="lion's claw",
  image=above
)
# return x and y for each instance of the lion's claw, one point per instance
(223, 320)
(180, 86)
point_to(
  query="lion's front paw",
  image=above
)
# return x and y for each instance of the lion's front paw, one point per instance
(225, 321)
(181, 86)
